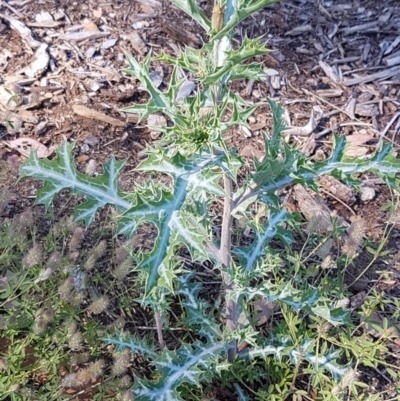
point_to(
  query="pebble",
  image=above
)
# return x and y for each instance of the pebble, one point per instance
(90, 52)
(91, 140)
(85, 148)
(367, 194)
(271, 72)
(109, 43)
(276, 82)
(139, 25)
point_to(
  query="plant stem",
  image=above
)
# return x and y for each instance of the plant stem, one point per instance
(159, 330)
(225, 258)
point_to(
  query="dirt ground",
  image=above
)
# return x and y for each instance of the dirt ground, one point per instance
(334, 67)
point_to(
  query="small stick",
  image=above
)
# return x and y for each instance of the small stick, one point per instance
(339, 200)
(11, 8)
(337, 108)
(390, 123)
(159, 330)
(249, 87)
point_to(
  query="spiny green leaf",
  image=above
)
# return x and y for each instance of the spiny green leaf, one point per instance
(198, 312)
(248, 71)
(249, 256)
(334, 316)
(61, 173)
(325, 361)
(240, 393)
(237, 11)
(239, 117)
(122, 341)
(248, 49)
(175, 223)
(189, 364)
(284, 293)
(190, 8)
(283, 166)
(159, 101)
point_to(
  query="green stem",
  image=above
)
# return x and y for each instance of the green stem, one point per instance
(226, 233)
(225, 258)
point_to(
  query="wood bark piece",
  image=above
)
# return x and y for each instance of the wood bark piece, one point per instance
(136, 42)
(22, 30)
(391, 61)
(40, 62)
(302, 131)
(95, 115)
(79, 36)
(392, 46)
(313, 209)
(329, 92)
(366, 110)
(329, 71)
(388, 73)
(367, 27)
(357, 145)
(336, 188)
(44, 24)
(299, 30)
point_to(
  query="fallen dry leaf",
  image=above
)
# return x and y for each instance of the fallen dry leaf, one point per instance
(355, 141)
(264, 311)
(359, 139)
(24, 146)
(251, 151)
(377, 326)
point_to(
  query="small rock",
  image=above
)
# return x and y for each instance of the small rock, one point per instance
(276, 82)
(142, 155)
(90, 168)
(92, 85)
(251, 152)
(277, 55)
(91, 140)
(271, 72)
(90, 52)
(185, 90)
(109, 43)
(139, 25)
(155, 77)
(85, 148)
(41, 128)
(367, 194)
(246, 131)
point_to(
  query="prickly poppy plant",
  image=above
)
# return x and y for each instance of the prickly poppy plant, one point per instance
(194, 154)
